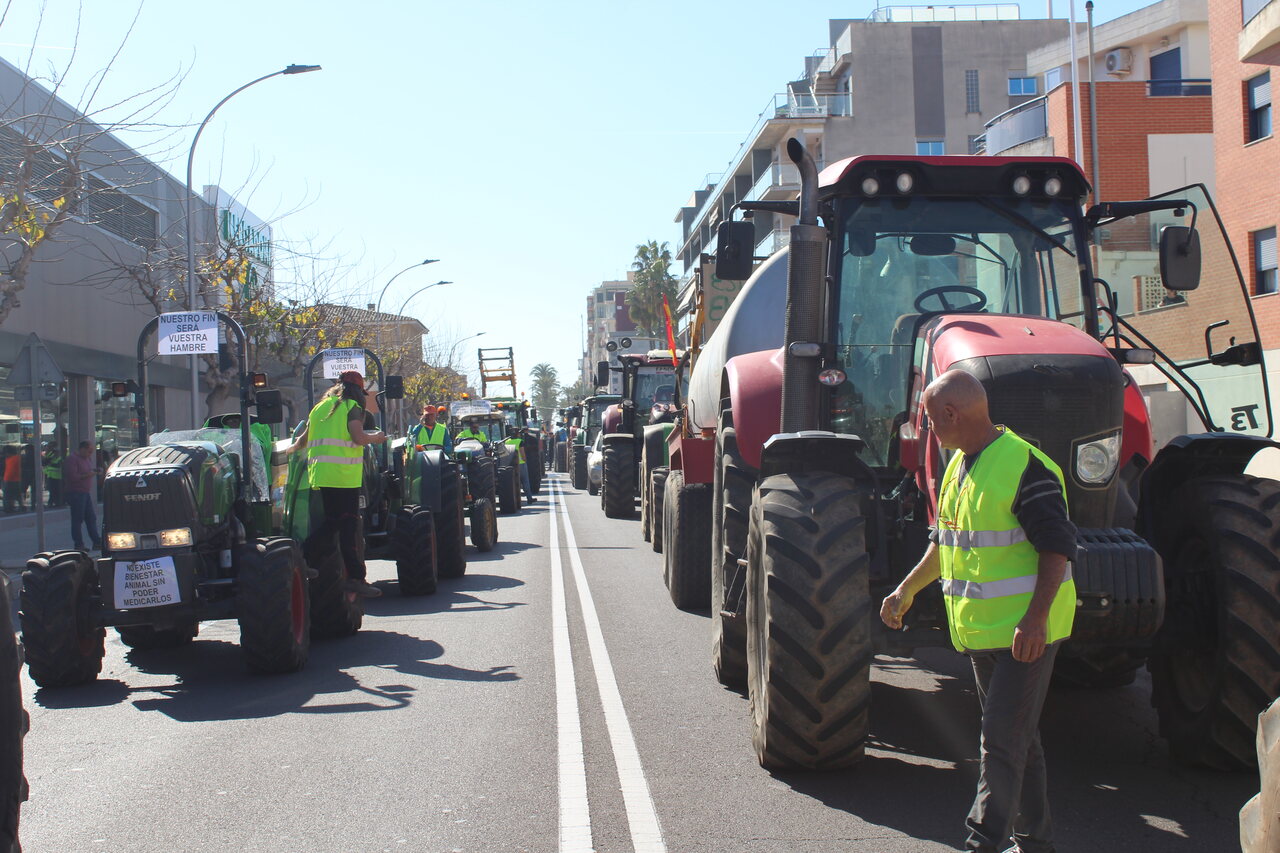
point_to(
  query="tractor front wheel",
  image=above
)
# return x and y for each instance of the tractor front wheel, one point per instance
(508, 490)
(484, 525)
(413, 541)
(1214, 665)
(579, 466)
(808, 622)
(273, 606)
(451, 532)
(686, 553)
(731, 489)
(62, 646)
(657, 495)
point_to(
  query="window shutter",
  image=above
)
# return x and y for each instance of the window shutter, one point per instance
(1260, 91)
(1265, 242)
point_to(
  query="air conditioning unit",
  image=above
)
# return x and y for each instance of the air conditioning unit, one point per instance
(1119, 62)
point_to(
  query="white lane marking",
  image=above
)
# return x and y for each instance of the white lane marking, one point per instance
(646, 831)
(575, 811)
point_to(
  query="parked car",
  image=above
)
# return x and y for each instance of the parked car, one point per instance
(595, 465)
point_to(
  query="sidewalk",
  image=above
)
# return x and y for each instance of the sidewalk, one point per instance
(18, 536)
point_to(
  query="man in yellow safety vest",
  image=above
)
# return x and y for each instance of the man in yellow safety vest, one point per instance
(428, 434)
(1002, 547)
(334, 440)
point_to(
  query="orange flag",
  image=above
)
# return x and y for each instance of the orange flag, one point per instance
(671, 335)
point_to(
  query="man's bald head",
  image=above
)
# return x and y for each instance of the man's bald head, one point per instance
(956, 404)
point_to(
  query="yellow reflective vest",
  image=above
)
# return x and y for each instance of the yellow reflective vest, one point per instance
(469, 433)
(988, 567)
(518, 444)
(333, 459)
(428, 437)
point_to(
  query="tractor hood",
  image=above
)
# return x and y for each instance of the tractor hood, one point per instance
(954, 338)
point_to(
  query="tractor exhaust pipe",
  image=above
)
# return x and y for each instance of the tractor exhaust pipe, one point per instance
(806, 272)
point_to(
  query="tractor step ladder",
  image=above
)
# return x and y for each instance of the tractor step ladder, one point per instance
(497, 364)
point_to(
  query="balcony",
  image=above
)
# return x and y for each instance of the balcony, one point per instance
(1023, 123)
(1261, 31)
(1178, 88)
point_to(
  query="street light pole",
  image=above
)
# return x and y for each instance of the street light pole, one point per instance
(399, 341)
(378, 306)
(192, 289)
(454, 348)
(405, 304)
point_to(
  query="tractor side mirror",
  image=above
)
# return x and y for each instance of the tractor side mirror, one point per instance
(1180, 257)
(602, 373)
(270, 406)
(394, 387)
(735, 246)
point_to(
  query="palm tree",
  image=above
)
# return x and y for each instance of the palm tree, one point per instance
(653, 280)
(546, 387)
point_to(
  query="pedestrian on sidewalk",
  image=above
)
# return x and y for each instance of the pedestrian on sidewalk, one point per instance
(53, 475)
(80, 478)
(1001, 547)
(29, 476)
(12, 479)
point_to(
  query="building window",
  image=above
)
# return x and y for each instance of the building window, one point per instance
(1022, 86)
(929, 147)
(1259, 89)
(1052, 79)
(971, 91)
(1264, 261)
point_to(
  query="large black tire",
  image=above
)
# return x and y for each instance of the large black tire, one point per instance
(482, 479)
(144, 637)
(593, 489)
(14, 723)
(273, 605)
(533, 458)
(618, 487)
(731, 488)
(508, 490)
(808, 622)
(561, 457)
(652, 455)
(579, 466)
(62, 646)
(1215, 664)
(686, 545)
(335, 612)
(657, 494)
(413, 542)
(484, 525)
(451, 526)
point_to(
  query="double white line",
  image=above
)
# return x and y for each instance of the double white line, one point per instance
(575, 811)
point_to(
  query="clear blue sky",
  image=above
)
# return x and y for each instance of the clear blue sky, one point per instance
(528, 146)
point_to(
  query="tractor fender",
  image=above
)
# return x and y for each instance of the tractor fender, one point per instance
(612, 419)
(753, 384)
(655, 443)
(815, 450)
(431, 465)
(1187, 457)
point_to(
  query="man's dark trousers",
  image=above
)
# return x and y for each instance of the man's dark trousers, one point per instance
(1012, 792)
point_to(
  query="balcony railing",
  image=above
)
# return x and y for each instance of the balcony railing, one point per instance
(1178, 88)
(804, 105)
(936, 14)
(1023, 123)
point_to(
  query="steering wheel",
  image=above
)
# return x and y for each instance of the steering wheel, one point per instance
(980, 299)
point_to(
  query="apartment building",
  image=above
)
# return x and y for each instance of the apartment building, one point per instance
(608, 320)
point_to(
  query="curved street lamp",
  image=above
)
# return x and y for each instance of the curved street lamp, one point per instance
(191, 254)
(378, 307)
(416, 292)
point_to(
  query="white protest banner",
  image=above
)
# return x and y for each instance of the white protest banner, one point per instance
(188, 333)
(146, 583)
(339, 361)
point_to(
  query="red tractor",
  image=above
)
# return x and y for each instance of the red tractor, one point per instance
(648, 397)
(825, 471)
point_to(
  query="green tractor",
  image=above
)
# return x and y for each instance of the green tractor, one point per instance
(412, 509)
(480, 417)
(585, 421)
(477, 461)
(188, 538)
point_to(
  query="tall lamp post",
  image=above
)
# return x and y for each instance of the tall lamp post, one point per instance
(454, 348)
(400, 325)
(378, 305)
(405, 304)
(192, 290)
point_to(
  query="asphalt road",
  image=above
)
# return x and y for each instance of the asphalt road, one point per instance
(521, 709)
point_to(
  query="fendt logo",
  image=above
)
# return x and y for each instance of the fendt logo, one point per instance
(151, 496)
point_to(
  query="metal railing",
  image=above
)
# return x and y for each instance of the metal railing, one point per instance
(1178, 88)
(935, 14)
(1023, 123)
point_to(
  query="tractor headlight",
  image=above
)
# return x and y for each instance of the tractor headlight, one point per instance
(1096, 460)
(175, 538)
(122, 541)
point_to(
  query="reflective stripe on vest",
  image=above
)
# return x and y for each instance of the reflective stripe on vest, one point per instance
(988, 568)
(333, 459)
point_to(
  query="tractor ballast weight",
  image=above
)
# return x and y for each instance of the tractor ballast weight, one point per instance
(187, 521)
(983, 264)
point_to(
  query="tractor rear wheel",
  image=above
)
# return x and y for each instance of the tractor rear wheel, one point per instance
(144, 637)
(731, 489)
(272, 605)
(657, 495)
(14, 723)
(62, 646)
(451, 529)
(686, 553)
(579, 466)
(1214, 665)
(508, 490)
(808, 622)
(413, 542)
(335, 612)
(561, 457)
(618, 488)
(484, 525)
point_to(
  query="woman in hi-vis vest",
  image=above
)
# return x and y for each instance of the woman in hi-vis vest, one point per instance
(334, 440)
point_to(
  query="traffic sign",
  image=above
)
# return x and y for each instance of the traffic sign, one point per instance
(34, 365)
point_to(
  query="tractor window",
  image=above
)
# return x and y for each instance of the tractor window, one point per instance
(1208, 373)
(904, 259)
